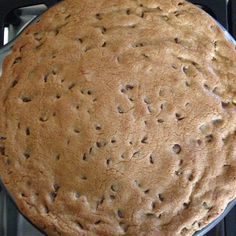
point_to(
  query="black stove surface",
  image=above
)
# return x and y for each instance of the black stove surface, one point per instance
(224, 11)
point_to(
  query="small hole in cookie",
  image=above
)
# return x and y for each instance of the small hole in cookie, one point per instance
(80, 40)
(187, 83)
(161, 198)
(190, 178)
(137, 183)
(165, 18)
(137, 45)
(209, 138)
(58, 157)
(26, 99)
(184, 231)
(56, 187)
(2, 151)
(123, 90)
(206, 206)
(68, 16)
(21, 48)
(45, 78)
(179, 117)
(151, 159)
(27, 155)
(154, 204)
(114, 187)
(186, 205)
(98, 127)
(199, 142)
(99, 145)
(150, 215)
(56, 32)
(120, 214)
(124, 227)
(120, 109)
(177, 40)
(160, 121)
(14, 83)
(46, 209)
(83, 177)
(100, 201)
(150, 109)
(178, 173)
(17, 60)
(145, 55)
(98, 222)
(206, 86)
(176, 149)
(87, 49)
(77, 131)
(98, 16)
(85, 157)
(135, 154)
(103, 30)
(43, 119)
(27, 131)
(129, 87)
(104, 44)
(71, 86)
(147, 191)
(225, 104)
(113, 141)
(109, 161)
(185, 70)
(53, 196)
(217, 121)
(145, 140)
(128, 12)
(79, 225)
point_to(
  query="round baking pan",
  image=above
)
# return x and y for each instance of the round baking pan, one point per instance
(4, 51)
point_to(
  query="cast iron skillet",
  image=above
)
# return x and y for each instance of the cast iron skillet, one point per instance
(7, 50)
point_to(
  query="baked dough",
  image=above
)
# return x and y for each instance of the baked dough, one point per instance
(118, 118)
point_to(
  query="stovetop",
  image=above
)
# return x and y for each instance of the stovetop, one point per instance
(14, 16)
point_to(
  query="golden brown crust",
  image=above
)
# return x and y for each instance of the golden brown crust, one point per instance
(118, 118)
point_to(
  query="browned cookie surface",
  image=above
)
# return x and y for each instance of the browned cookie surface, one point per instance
(118, 117)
